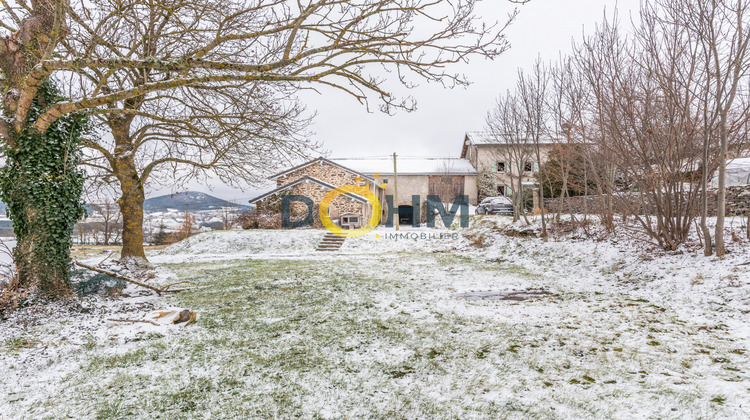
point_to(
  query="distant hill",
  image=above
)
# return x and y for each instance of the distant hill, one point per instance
(196, 201)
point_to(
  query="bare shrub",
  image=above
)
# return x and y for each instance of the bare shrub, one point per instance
(259, 219)
(477, 239)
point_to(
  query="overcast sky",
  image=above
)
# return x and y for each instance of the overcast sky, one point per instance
(544, 28)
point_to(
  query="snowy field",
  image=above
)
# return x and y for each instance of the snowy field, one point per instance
(399, 329)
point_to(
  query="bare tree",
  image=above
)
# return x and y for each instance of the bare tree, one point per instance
(228, 217)
(236, 132)
(110, 224)
(187, 229)
(568, 107)
(722, 32)
(643, 131)
(506, 124)
(82, 230)
(532, 90)
(594, 59)
(652, 120)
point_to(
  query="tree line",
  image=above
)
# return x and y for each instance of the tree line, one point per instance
(642, 114)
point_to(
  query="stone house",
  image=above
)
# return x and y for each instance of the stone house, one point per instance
(508, 160)
(446, 178)
(316, 178)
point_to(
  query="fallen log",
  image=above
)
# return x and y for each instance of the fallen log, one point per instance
(145, 321)
(129, 280)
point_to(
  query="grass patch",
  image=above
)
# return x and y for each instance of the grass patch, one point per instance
(382, 337)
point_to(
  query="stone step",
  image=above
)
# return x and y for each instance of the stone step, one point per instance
(330, 242)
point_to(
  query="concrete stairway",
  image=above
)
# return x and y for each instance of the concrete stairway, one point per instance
(330, 242)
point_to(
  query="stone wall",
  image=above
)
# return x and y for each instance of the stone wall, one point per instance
(333, 175)
(323, 171)
(737, 203)
(316, 192)
(330, 174)
(591, 204)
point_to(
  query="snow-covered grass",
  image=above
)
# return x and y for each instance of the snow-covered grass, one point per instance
(380, 330)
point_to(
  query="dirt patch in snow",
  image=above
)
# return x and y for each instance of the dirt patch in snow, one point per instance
(515, 295)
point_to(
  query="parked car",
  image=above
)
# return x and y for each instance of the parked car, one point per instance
(496, 205)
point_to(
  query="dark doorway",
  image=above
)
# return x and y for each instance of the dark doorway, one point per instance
(405, 215)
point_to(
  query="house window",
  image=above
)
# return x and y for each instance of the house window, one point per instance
(500, 166)
(528, 167)
(501, 190)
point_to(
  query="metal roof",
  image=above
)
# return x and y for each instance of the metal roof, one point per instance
(485, 138)
(410, 165)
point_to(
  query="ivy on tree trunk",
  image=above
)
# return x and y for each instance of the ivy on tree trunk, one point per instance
(42, 186)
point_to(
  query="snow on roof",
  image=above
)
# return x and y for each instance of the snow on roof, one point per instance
(738, 173)
(410, 165)
(483, 137)
(739, 163)
(317, 160)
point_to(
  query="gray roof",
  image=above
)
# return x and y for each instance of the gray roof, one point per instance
(479, 138)
(410, 165)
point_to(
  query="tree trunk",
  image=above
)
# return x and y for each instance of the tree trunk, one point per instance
(42, 260)
(708, 248)
(39, 180)
(131, 207)
(42, 189)
(541, 190)
(131, 187)
(722, 189)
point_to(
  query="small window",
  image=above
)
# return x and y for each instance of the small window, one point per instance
(354, 220)
(501, 190)
(528, 167)
(500, 166)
